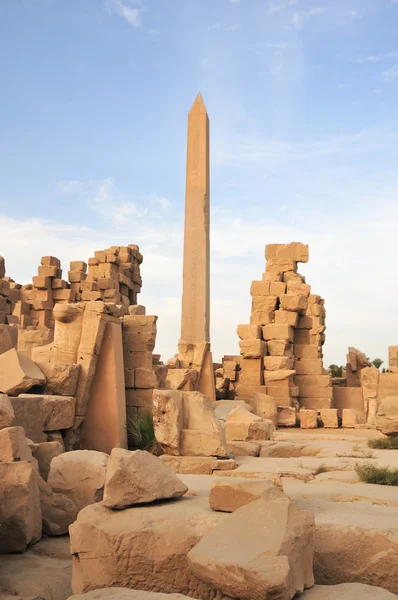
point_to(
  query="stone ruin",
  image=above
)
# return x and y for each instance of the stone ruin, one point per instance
(77, 363)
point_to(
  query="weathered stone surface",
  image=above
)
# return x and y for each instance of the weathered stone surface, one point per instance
(346, 591)
(228, 496)
(308, 418)
(248, 332)
(80, 475)
(39, 413)
(222, 408)
(202, 434)
(44, 452)
(244, 448)
(13, 445)
(20, 512)
(197, 465)
(387, 416)
(138, 478)
(154, 539)
(61, 379)
(243, 426)
(297, 303)
(329, 417)
(277, 363)
(287, 416)
(278, 332)
(18, 373)
(126, 594)
(294, 251)
(276, 376)
(168, 419)
(244, 560)
(7, 416)
(252, 348)
(58, 511)
(264, 406)
(351, 417)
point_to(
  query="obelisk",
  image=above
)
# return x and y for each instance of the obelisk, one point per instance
(195, 319)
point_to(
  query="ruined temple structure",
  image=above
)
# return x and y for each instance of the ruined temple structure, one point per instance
(84, 339)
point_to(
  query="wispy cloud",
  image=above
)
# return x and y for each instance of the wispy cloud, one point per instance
(272, 9)
(301, 17)
(226, 28)
(130, 10)
(112, 205)
(373, 58)
(390, 74)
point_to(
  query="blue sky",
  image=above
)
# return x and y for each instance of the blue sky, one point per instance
(302, 97)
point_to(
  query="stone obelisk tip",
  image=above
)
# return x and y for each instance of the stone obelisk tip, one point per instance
(198, 106)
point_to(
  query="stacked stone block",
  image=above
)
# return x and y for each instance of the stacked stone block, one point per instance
(114, 275)
(139, 337)
(9, 296)
(281, 349)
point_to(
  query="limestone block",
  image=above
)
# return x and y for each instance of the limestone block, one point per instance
(279, 348)
(308, 419)
(308, 366)
(50, 261)
(351, 418)
(222, 408)
(314, 310)
(262, 317)
(57, 510)
(369, 377)
(306, 351)
(67, 331)
(272, 276)
(281, 265)
(314, 391)
(140, 398)
(329, 418)
(137, 310)
(44, 452)
(295, 287)
(276, 363)
(228, 496)
(393, 358)
(287, 416)
(61, 379)
(388, 385)
(244, 560)
(278, 332)
(18, 373)
(39, 413)
(249, 332)
(264, 406)
(253, 348)
(324, 381)
(317, 403)
(264, 303)
(192, 465)
(260, 288)
(277, 288)
(243, 426)
(273, 376)
(2, 267)
(20, 512)
(244, 448)
(286, 317)
(194, 442)
(80, 475)
(295, 303)
(13, 445)
(345, 591)
(145, 379)
(348, 397)
(294, 251)
(7, 416)
(168, 419)
(8, 338)
(386, 419)
(138, 478)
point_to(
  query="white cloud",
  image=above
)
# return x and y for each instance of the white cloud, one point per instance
(390, 74)
(378, 57)
(130, 10)
(272, 9)
(226, 28)
(301, 17)
(232, 28)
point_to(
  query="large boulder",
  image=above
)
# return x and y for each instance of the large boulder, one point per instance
(7, 416)
(265, 407)
(387, 416)
(20, 512)
(144, 548)
(345, 591)
(137, 478)
(202, 434)
(80, 475)
(44, 452)
(125, 594)
(222, 408)
(58, 511)
(262, 550)
(18, 373)
(168, 419)
(228, 496)
(40, 413)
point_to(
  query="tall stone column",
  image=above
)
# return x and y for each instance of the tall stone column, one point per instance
(195, 320)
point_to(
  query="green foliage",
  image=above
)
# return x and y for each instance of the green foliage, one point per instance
(377, 362)
(141, 433)
(336, 371)
(390, 443)
(379, 475)
(357, 452)
(321, 469)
